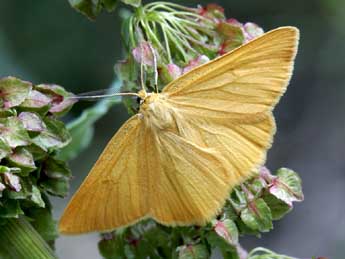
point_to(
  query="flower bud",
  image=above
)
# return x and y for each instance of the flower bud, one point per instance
(195, 63)
(144, 53)
(212, 11)
(170, 73)
(252, 31)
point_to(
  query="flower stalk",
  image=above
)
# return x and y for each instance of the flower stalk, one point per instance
(19, 240)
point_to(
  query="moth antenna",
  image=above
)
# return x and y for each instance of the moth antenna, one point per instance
(99, 94)
(154, 66)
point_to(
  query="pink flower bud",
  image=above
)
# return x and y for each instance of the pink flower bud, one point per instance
(174, 71)
(252, 31)
(212, 11)
(195, 63)
(169, 73)
(234, 22)
(143, 53)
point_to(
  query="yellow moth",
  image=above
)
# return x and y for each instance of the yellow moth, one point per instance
(178, 158)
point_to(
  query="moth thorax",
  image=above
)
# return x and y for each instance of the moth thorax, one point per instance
(156, 112)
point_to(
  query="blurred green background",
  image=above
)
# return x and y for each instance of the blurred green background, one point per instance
(47, 41)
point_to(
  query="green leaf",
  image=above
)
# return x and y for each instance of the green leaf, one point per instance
(54, 136)
(92, 8)
(13, 181)
(52, 90)
(228, 212)
(32, 121)
(36, 102)
(10, 209)
(13, 132)
(4, 149)
(227, 230)
(238, 200)
(110, 5)
(112, 246)
(57, 187)
(142, 236)
(82, 128)
(43, 222)
(37, 152)
(36, 197)
(57, 169)
(257, 216)
(287, 186)
(4, 169)
(257, 185)
(278, 207)
(8, 113)
(13, 91)
(23, 193)
(198, 251)
(224, 236)
(23, 159)
(61, 103)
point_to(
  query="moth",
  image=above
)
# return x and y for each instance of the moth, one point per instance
(178, 158)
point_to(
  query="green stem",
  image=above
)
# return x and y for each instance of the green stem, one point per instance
(19, 240)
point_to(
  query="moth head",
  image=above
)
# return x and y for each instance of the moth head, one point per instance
(156, 111)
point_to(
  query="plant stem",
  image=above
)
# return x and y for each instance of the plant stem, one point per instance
(19, 240)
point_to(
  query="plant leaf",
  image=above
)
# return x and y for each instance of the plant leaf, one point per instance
(23, 159)
(54, 136)
(224, 236)
(89, 8)
(10, 209)
(4, 149)
(257, 216)
(56, 169)
(31, 121)
(13, 132)
(110, 5)
(278, 207)
(13, 91)
(92, 8)
(112, 246)
(44, 223)
(37, 102)
(57, 187)
(36, 196)
(287, 186)
(37, 152)
(60, 101)
(13, 181)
